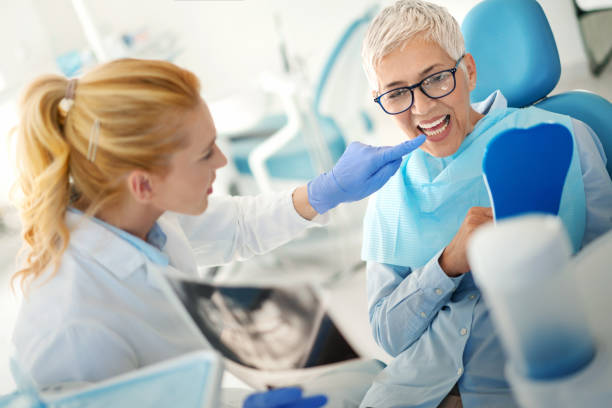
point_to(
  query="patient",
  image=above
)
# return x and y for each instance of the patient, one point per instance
(423, 305)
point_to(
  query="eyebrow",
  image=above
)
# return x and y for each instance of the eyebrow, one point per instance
(421, 74)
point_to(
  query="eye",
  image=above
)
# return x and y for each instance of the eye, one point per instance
(207, 155)
(397, 93)
(436, 79)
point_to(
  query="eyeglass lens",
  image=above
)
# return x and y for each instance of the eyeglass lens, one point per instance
(435, 86)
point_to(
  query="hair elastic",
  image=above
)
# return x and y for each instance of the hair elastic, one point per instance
(68, 99)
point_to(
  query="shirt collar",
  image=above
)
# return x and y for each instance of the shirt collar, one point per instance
(494, 101)
(106, 243)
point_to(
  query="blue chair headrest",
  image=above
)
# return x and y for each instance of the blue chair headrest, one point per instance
(514, 49)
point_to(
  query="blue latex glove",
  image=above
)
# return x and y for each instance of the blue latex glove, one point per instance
(290, 397)
(360, 171)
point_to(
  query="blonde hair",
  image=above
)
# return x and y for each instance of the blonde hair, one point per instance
(136, 106)
(404, 20)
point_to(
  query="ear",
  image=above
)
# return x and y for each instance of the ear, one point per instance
(140, 186)
(470, 66)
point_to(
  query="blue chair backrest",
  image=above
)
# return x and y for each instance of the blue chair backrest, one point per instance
(515, 52)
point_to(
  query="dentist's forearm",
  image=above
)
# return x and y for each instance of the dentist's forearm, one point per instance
(301, 204)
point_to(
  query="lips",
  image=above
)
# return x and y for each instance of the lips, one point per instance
(435, 127)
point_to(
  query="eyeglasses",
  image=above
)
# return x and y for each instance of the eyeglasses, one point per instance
(434, 86)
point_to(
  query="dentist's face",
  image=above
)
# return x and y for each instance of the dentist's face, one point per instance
(188, 183)
(445, 121)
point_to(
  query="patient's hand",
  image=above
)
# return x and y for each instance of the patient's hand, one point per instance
(453, 260)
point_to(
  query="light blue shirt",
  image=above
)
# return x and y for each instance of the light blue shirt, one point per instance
(435, 325)
(151, 248)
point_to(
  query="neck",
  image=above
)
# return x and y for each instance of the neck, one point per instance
(132, 217)
(474, 118)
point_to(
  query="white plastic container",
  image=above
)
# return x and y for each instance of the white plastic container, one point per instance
(520, 266)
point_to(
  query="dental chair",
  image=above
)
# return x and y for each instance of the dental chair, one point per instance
(314, 130)
(515, 52)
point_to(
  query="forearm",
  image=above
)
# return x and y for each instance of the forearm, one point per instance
(266, 224)
(403, 308)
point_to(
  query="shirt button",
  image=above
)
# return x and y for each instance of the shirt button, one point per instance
(463, 331)
(438, 291)
(472, 297)
(460, 371)
(423, 314)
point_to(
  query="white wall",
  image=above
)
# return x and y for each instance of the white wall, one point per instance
(564, 24)
(24, 44)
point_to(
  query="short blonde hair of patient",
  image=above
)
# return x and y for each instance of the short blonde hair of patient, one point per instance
(403, 21)
(138, 104)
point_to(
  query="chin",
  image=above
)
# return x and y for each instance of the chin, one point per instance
(203, 207)
(195, 210)
(441, 149)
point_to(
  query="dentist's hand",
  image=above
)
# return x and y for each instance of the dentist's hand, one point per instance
(361, 171)
(290, 397)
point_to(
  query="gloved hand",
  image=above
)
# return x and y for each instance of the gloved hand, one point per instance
(290, 397)
(360, 171)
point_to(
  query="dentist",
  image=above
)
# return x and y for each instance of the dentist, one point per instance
(116, 171)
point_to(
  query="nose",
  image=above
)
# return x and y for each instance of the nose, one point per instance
(421, 103)
(222, 161)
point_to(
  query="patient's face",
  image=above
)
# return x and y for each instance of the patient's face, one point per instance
(445, 121)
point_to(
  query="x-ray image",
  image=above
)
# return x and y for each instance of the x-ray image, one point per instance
(271, 328)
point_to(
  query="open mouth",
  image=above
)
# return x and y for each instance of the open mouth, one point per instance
(435, 128)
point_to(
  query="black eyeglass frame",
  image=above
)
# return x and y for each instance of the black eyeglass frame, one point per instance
(411, 88)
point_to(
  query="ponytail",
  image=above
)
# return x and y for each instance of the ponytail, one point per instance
(43, 177)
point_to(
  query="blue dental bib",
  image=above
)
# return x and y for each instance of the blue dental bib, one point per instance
(420, 209)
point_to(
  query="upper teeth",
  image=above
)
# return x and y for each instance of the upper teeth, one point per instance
(432, 124)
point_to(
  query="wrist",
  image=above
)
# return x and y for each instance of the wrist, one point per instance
(447, 266)
(302, 204)
(322, 193)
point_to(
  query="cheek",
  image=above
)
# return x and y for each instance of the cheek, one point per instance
(404, 122)
(204, 175)
(463, 118)
(201, 180)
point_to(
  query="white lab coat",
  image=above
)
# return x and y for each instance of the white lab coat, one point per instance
(103, 314)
